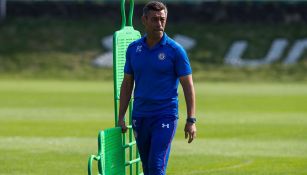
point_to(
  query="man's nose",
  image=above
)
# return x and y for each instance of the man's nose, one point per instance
(159, 23)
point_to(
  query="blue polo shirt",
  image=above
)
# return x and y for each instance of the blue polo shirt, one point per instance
(156, 73)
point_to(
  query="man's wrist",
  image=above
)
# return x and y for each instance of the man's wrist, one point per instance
(191, 120)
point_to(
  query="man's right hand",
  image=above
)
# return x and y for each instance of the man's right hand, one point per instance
(122, 124)
(190, 131)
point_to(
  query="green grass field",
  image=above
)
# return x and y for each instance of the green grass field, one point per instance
(50, 127)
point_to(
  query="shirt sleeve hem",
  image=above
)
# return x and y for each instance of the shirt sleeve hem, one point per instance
(185, 74)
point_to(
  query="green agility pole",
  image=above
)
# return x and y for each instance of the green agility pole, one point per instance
(115, 151)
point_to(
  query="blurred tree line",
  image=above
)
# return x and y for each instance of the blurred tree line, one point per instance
(201, 11)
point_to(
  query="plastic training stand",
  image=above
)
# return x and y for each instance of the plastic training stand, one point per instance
(111, 153)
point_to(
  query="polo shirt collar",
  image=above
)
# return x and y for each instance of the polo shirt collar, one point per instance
(163, 40)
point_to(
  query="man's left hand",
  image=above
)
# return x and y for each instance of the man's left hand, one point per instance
(190, 131)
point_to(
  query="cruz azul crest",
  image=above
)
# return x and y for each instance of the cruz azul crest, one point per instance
(161, 56)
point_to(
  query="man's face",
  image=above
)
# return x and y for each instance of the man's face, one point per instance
(154, 23)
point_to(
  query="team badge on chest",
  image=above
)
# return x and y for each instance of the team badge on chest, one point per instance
(161, 56)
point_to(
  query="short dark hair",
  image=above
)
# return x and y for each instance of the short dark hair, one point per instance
(155, 6)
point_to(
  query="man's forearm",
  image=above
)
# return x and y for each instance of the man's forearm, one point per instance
(125, 96)
(189, 94)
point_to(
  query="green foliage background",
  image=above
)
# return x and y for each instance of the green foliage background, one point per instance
(55, 48)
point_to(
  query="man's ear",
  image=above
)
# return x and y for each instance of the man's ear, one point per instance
(143, 19)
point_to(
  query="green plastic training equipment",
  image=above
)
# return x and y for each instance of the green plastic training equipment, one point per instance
(121, 40)
(118, 155)
(111, 153)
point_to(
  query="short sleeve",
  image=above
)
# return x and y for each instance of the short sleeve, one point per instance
(128, 67)
(182, 63)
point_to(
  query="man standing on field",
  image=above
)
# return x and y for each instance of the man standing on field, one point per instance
(156, 64)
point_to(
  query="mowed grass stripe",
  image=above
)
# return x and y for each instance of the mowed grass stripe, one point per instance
(205, 147)
(51, 86)
(37, 145)
(60, 129)
(70, 128)
(276, 118)
(241, 148)
(252, 89)
(55, 114)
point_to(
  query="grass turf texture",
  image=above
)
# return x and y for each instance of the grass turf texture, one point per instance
(50, 127)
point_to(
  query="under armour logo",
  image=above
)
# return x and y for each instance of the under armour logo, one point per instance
(165, 125)
(139, 48)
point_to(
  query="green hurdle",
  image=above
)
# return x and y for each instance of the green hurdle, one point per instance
(115, 151)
